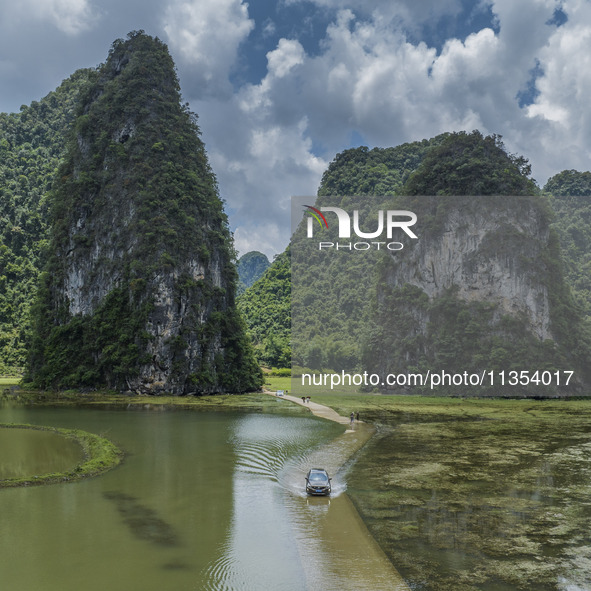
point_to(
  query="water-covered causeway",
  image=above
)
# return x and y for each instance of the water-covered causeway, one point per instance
(203, 500)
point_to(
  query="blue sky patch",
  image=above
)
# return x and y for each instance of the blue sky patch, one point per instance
(528, 96)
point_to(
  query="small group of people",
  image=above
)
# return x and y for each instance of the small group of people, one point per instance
(354, 417)
(305, 399)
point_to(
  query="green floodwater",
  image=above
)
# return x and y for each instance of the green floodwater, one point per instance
(202, 501)
(471, 504)
(215, 501)
(26, 452)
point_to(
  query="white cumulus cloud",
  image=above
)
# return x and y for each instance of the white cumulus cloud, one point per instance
(69, 16)
(281, 61)
(369, 78)
(561, 108)
(381, 72)
(206, 34)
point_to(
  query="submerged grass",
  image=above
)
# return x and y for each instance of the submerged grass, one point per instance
(100, 455)
(477, 494)
(144, 522)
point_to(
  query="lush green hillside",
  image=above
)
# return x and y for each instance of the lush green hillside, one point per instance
(266, 308)
(336, 291)
(570, 196)
(471, 164)
(344, 311)
(386, 171)
(379, 171)
(32, 143)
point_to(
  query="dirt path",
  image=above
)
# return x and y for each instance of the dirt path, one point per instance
(317, 409)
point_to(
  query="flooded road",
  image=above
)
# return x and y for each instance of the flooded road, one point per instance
(323, 539)
(202, 501)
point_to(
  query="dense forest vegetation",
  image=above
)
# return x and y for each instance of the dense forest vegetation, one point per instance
(266, 307)
(473, 334)
(140, 261)
(470, 164)
(451, 164)
(570, 196)
(32, 143)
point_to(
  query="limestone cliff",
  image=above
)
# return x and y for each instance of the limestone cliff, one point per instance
(480, 290)
(138, 292)
(488, 249)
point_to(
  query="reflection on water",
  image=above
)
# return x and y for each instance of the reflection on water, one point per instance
(202, 501)
(143, 521)
(259, 551)
(282, 539)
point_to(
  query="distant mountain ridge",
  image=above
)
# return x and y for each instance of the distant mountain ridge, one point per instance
(251, 267)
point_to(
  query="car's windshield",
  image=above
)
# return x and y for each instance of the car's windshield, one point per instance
(318, 477)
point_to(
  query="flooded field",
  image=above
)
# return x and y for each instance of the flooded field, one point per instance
(203, 500)
(453, 496)
(26, 451)
(481, 503)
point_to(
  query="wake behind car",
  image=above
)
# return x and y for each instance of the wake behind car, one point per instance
(318, 482)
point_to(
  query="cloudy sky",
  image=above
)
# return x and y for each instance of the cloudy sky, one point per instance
(282, 86)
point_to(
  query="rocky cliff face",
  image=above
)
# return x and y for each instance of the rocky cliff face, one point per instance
(139, 289)
(490, 249)
(481, 290)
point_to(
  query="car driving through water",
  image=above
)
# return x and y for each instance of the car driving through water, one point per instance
(318, 482)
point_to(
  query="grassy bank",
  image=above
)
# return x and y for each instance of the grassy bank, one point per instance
(100, 455)
(378, 408)
(254, 402)
(374, 408)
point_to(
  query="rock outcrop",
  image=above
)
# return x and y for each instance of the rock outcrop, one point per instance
(489, 249)
(138, 293)
(481, 290)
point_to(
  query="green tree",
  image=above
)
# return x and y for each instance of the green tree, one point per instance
(32, 144)
(471, 164)
(266, 307)
(570, 195)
